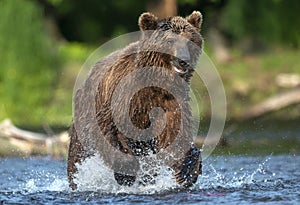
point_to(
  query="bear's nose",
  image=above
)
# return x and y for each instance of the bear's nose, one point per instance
(184, 63)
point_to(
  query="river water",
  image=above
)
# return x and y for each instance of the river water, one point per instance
(225, 180)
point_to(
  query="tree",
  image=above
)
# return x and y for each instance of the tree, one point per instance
(162, 8)
(27, 62)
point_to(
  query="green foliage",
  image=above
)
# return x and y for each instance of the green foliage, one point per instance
(72, 56)
(96, 21)
(28, 64)
(270, 21)
(32, 91)
(289, 17)
(75, 52)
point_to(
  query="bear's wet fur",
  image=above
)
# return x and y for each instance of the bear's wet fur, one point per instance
(159, 47)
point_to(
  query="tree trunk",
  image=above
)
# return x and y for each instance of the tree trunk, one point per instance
(162, 8)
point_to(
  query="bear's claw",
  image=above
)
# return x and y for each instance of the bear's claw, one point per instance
(189, 170)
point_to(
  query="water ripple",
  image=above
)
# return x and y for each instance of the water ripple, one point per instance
(226, 179)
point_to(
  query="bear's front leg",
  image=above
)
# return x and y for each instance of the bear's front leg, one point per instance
(76, 155)
(189, 168)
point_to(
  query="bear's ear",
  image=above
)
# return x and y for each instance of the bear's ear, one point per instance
(148, 21)
(195, 19)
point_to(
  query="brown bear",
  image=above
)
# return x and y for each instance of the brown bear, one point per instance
(116, 117)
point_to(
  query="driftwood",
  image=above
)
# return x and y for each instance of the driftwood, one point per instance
(288, 80)
(277, 102)
(28, 143)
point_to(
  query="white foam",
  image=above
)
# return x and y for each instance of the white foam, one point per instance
(44, 181)
(213, 178)
(94, 175)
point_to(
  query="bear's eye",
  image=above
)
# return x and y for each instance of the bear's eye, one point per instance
(170, 42)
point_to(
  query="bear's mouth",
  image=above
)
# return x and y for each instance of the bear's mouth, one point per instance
(180, 70)
(180, 66)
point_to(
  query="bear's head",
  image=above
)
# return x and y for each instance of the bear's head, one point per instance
(173, 43)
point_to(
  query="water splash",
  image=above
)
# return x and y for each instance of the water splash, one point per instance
(41, 174)
(40, 184)
(236, 177)
(93, 175)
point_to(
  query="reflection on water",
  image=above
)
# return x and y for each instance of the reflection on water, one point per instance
(226, 179)
(260, 137)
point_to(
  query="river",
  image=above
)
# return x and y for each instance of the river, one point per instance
(227, 179)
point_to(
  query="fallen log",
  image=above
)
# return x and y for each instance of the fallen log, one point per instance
(274, 103)
(27, 142)
(8, 130)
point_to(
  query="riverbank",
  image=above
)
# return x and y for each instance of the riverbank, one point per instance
(252, 78)
(257, 137)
